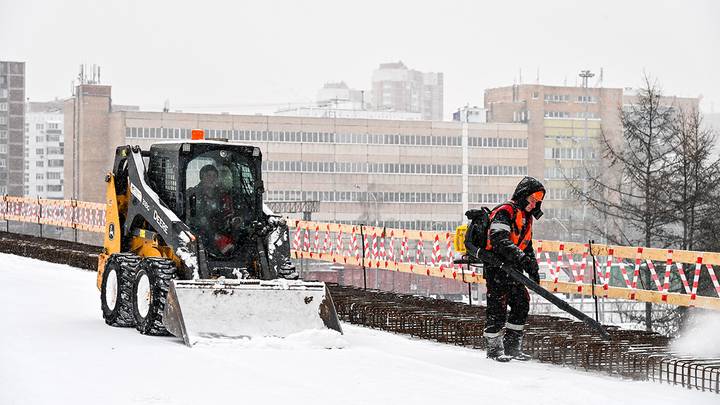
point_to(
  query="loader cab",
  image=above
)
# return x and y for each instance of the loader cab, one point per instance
(214, 187)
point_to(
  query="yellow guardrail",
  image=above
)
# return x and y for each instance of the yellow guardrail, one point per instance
(431, 253)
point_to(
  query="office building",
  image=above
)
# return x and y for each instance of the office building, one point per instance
(405, 174)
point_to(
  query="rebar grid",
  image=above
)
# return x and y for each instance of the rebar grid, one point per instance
(631, 354)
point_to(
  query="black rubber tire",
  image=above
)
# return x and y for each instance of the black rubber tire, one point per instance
(159, 272)
(124, 265)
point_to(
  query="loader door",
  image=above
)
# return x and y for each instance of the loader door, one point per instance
(221, 200)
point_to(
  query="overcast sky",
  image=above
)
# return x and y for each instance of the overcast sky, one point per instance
(243, 56)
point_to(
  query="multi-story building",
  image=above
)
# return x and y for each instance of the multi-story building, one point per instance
(336, 94)
(406, 174)
(564, 125)
(397, 88)
(12, 127)
(470, 114)
(564, 128)
(337, 100)
(44, 149)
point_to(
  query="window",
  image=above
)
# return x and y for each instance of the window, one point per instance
(586, 99)
(39, 163)
(39, 176)
(55, 163)
(557, 114)
(3, 148)
(557, 98)
(40, 189)
(3, 134)
(54, 188)
(3, 120)
(39, 151)
(2, 163)
(3, 106)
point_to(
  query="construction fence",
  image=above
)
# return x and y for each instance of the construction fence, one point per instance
(571, 268)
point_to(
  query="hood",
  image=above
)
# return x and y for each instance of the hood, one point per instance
(527, 186)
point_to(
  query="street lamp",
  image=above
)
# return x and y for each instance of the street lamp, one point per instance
(585, 75)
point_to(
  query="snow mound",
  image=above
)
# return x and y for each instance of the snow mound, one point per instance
(312, 339)
(699, 339)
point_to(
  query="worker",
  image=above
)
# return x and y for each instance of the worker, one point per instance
(510, 240)
(210, 212)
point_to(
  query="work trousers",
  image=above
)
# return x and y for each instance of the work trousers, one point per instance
(502, 291)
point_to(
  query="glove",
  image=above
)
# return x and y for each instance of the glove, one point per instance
(530, 266)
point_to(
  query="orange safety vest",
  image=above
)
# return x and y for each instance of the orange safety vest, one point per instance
(520, 230)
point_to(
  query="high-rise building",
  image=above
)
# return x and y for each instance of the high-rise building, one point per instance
(12, 127)
(397, 88)
(44, 149)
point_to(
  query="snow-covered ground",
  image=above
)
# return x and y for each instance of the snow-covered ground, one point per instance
(56, 349)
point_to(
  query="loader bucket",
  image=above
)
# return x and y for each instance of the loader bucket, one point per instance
(207, 309)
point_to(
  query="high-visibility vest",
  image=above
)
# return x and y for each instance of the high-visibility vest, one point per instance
(520, 228)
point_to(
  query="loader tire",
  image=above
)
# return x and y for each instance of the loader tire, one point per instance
(149, 294)
(116, 289)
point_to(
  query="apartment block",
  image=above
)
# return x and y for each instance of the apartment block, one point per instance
(395, 87)
(12, 127)
(44, 149)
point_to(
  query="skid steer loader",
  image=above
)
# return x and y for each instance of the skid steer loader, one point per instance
(191, 250)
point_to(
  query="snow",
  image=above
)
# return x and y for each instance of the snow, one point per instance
(55, 348)
(699, 339)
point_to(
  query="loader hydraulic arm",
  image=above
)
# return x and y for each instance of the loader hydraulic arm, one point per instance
(145, 207)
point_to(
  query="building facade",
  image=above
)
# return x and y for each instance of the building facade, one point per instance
(397, 88)
(12, 127)
(405, 174)
(565, 125)
(334, 94)
(470, 114)
(44, 150)
(337, 100)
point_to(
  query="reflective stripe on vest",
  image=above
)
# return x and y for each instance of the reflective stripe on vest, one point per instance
(515, 230)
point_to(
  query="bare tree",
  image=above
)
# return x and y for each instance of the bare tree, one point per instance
(695, 175)
(631, 184)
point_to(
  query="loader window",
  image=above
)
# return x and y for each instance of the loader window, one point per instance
(220, 199)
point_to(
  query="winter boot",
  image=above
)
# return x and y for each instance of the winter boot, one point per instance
(513, 344)
(495, 349)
